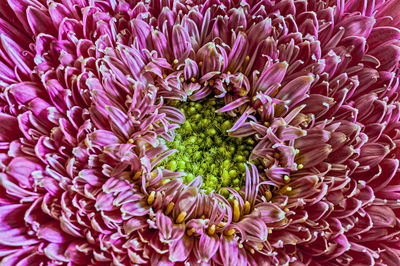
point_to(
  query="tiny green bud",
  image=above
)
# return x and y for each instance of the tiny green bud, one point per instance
(241, 167)
(239, 158)
(242, 147)
(172, 165)
(192, 110)
(181, 164)
(191, 139)
(233, 173)
(226, 125)
(226, 163)
(197, 116)
(221, 150)
(211, 131)
(190, 177)
(250, 141)
(225, 178)
(197, 155)
(209, 142)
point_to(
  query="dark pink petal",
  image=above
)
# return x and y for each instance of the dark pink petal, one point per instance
(295, 90)
(207, 247)
(181, 249)
(181, 44)
(17, 237)
(23, 61)
(382, 216)
(56, 251)
(9, 129)
(39, 21)
(52, 232)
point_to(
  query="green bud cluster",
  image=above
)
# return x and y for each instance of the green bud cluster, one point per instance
(205, 148)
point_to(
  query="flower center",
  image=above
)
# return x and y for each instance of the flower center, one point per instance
(205, 148)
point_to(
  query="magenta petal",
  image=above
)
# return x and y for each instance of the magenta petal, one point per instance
(9, 130)
(233, 105)
(17, 256)
(295, 90)
(270, 213)
(39, 21)
(14, 52)
(180, 249)
(17, 237)
(207, 247)
(52, 232)
(180, 42)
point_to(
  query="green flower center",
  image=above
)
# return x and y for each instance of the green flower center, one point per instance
(205, 148)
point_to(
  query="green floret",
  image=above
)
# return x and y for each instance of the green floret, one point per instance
(205, 149)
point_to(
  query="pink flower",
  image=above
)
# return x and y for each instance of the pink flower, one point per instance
(88, 113)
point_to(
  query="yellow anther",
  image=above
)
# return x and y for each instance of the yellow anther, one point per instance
(285, 209)
(230, 232)
(211, 82)
(236, 211)
(164, 75)
(175, 61)
(130, 141)
(151, 197)
(211, 229)
(247, 59)
(251, 250)
(300, 166)
(202, 217)
(181, 217)
(191, 231)
(275, 92)
(267, 124)
(200, 63)
(228, 73)
(221, 224)
(297, 151)
(289, 189)
(86, 142)
(243, 92)
(153, 174)
(192, 79)
(170, 207)
(137, 175)
(181, 79)
(277, 155)
(247, 207)
(240, 245)
(303, 220)
(286, 178)
(268, 195)
(269, 231)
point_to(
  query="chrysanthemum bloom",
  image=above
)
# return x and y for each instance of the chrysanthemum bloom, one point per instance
(199, 132)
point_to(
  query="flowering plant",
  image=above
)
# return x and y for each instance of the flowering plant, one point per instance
(199, 132)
